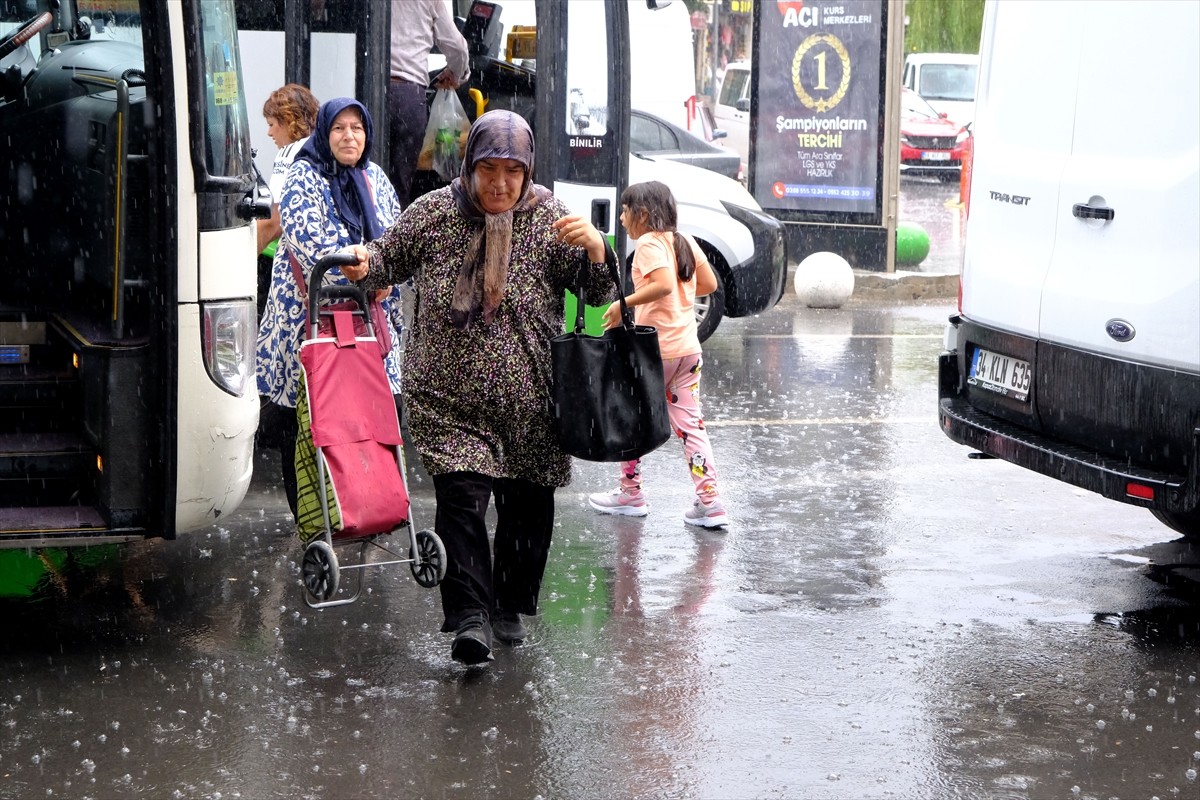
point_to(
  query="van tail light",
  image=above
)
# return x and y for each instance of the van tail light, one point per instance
(965, 174)
(1139, 491)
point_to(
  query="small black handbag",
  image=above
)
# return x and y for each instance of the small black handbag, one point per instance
(608, 401)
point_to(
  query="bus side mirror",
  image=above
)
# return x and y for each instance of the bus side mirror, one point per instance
(257, 202)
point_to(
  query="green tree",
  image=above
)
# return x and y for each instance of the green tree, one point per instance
(943, 26)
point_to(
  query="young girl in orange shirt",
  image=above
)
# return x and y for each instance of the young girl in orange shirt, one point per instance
(669, 272)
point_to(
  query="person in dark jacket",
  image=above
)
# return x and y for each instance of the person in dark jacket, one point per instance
(491, 256)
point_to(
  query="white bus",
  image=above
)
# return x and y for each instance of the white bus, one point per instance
(127, 270)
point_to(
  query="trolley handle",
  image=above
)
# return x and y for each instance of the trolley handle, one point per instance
(317, 292)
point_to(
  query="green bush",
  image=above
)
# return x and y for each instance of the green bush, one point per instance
(943, 26)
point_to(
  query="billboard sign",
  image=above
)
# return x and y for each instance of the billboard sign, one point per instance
(817, 121)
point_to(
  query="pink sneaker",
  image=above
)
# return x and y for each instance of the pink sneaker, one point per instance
(706, 516)
(619, 501)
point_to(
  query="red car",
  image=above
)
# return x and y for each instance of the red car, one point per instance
(930, 144)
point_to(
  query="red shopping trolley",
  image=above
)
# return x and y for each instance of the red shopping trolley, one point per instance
(351, 488)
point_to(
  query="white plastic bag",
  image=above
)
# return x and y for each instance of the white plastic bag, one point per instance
(445, 136)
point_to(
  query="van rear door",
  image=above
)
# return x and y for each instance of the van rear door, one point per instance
(1134, 153)
(1023, 138)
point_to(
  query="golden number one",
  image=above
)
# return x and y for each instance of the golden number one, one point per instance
(820, 57)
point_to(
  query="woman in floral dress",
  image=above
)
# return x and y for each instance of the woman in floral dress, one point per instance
(333, 196)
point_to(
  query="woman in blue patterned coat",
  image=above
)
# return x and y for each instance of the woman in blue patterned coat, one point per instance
(333, 196)
(491, 256)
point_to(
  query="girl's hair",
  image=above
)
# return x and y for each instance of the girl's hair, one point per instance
(293, 106)
(654, 202)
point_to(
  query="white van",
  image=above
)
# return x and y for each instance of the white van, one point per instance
(946, 81)
(732, 109)
(1076, 349)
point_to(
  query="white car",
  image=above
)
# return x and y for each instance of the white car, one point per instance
(747, 248)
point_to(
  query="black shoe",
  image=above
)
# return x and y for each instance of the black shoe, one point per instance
(472, 644)
(507, 628)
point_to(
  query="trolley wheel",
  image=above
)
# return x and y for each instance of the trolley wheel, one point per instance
(433, 559)
(319, 570)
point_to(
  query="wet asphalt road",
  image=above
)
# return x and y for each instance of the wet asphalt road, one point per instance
(885, 618)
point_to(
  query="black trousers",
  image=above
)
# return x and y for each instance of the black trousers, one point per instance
(476, 583)
(278, 428)
(407, 117)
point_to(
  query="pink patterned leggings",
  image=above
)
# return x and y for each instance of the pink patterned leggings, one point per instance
(682, 379)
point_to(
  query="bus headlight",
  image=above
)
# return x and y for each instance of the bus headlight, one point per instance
(229, 334)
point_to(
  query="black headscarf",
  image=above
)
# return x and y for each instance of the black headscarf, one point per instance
(351, 194)
(484, 272)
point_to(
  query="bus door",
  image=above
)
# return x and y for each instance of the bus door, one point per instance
(335, 49)
(564, 67)
(583, 125)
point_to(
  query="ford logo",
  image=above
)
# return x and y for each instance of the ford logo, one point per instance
(1119, 329)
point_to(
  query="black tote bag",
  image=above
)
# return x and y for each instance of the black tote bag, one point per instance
(608, 401)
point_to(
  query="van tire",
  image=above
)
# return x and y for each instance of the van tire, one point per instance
(1185, 522)
(710, 309)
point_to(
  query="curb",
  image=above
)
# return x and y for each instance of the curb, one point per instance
(901, 286)
(904, 285)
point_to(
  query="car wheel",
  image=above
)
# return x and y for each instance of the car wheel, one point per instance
(1185, 522)
(710, 309)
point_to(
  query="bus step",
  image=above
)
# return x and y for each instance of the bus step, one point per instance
(44, 455)
(36, 398)
(65, 526)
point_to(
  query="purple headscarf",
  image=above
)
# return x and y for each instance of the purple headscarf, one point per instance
(484, 271)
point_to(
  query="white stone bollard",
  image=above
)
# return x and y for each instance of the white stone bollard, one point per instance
(824, 280)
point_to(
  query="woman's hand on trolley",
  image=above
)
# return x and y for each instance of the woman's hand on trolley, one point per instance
(356, 272)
